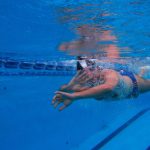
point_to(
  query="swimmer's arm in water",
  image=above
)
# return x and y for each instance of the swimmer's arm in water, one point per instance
(77, 83)
(67, 98)
(94, 92)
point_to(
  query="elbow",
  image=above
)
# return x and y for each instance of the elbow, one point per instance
(106, 91)
(108, 88)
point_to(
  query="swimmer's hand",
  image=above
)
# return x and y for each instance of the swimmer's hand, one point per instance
(62, 97)
(82, 77)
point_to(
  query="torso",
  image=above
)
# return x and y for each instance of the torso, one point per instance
(122, 88)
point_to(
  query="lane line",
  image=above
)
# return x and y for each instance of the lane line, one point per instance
(118, 130)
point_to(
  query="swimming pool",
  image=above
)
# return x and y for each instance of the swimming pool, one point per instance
(33, 31)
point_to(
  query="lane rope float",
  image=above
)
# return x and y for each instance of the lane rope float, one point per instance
(13, 67)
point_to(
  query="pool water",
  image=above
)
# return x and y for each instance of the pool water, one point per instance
(28, 120)
(34, 30)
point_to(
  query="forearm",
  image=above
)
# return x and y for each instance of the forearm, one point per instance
(65, 88)
(94, 92)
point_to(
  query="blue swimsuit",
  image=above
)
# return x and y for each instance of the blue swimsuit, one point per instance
(135, 90)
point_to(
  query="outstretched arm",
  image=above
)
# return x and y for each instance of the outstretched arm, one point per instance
(68, 98)
(95, 92)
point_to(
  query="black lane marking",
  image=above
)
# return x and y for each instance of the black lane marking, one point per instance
(148, 148)
(118, 130)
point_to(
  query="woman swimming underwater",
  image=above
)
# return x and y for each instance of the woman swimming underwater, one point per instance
(101, 84)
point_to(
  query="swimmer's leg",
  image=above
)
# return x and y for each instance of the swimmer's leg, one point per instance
(144, 70)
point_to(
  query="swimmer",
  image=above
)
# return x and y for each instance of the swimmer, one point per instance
(100, 84)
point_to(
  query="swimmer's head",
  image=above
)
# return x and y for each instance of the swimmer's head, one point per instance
(84, 62)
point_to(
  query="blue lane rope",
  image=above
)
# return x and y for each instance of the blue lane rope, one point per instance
(14, 67)
(11, 67)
